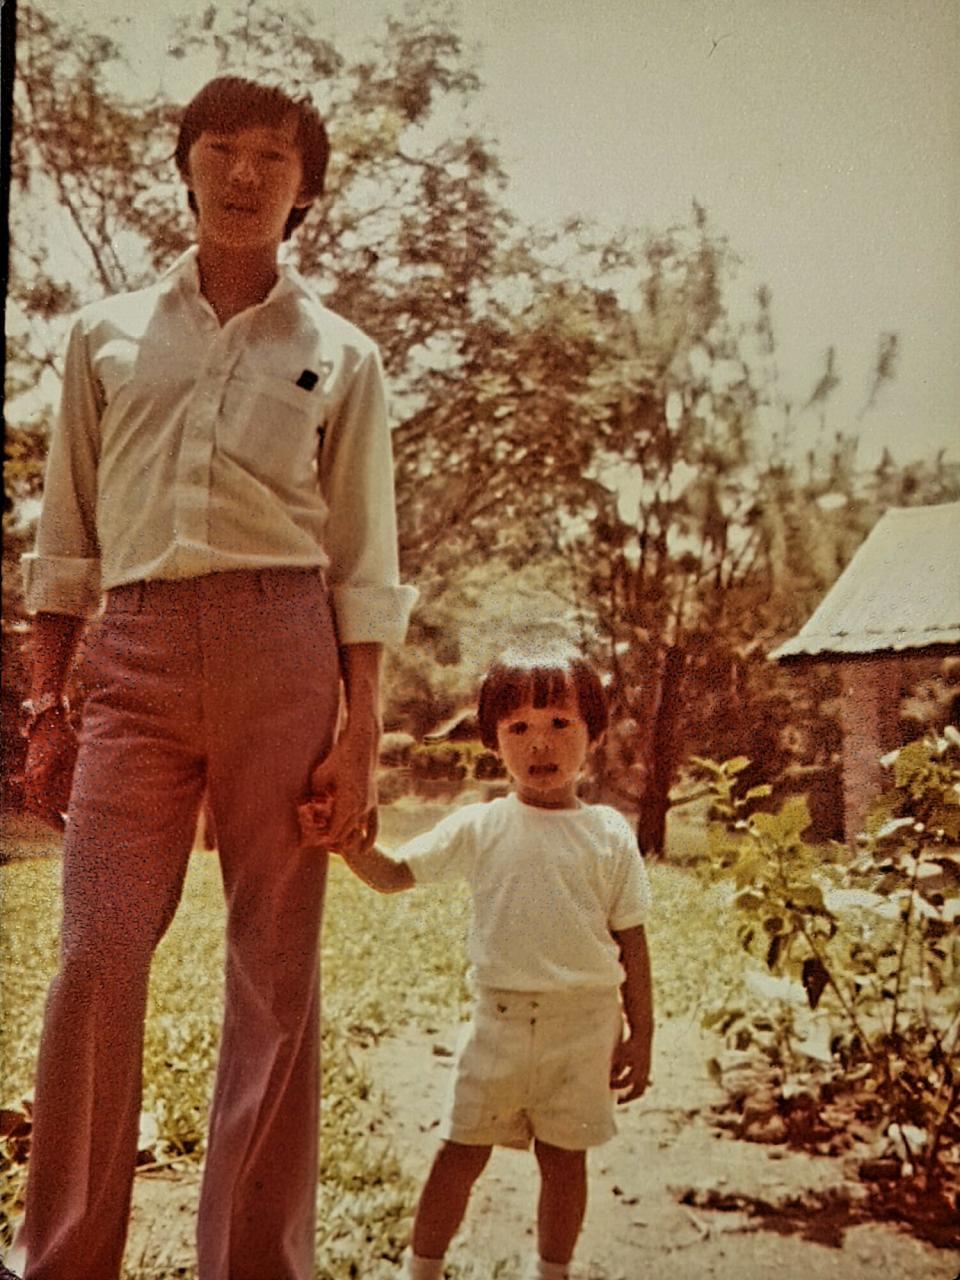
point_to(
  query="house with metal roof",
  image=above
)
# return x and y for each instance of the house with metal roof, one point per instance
(898, 598)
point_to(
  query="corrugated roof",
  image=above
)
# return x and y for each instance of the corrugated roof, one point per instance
(900, 591)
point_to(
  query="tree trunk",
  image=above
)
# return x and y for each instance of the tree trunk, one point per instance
(662, 755)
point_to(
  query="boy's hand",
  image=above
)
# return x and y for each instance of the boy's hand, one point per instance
(349, 773)
(48, 769)
(630, 1069)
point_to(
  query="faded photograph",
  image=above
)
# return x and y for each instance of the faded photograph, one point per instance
(481, 640)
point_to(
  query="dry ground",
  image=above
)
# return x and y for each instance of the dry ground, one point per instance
(636, 1226)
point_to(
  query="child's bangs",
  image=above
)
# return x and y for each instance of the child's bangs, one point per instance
(508, 685)
(550, 687)
(537, 686)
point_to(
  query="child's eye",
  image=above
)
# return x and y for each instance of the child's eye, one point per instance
(560, 723)
(518, 727)
(273, 156)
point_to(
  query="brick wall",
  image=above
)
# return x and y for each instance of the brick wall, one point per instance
(870, 703)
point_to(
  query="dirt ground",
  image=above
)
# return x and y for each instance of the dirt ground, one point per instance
(638, 1224)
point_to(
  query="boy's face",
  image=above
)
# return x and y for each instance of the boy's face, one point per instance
(544, 749)
(245, 184)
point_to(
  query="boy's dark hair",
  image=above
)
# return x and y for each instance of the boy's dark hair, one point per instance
(230, 103)
(510, 683)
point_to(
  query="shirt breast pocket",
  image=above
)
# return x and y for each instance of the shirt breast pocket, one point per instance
(273, 428)
(114, 365)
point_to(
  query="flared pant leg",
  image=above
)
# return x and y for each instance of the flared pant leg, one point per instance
(228, 681)
(258, 1199)
(137, 785)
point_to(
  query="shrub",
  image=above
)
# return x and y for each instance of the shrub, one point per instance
(861, 945)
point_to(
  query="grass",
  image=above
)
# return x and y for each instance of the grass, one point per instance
(386, 962)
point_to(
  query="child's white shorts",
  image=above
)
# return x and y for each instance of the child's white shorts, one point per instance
(536, 1064)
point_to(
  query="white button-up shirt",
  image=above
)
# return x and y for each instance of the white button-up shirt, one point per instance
(185, 447)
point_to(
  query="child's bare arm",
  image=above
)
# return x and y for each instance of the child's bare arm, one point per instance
(378, 869)
(630, 1074)
(372, 864)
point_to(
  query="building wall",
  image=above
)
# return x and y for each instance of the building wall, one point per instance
(870, 704)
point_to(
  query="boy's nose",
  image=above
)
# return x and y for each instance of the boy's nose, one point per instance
(243, 169)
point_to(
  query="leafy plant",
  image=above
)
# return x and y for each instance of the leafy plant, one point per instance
(860, 947)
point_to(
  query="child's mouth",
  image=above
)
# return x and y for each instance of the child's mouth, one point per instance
(540, 770)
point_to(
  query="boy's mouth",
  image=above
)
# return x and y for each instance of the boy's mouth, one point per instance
(541, 770)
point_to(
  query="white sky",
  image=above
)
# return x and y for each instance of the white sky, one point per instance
(823, 136)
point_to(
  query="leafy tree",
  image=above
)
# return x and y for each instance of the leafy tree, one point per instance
(408, 229)
(579, 387)
(577, 412)
(620, 422)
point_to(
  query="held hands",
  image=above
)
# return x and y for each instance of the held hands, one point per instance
(314, 817)
(48, 768)
(343, 790)
(630, 1069)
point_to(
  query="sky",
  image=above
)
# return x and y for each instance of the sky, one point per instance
(823, 137)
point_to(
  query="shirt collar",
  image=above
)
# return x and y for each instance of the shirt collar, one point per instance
(183, 274)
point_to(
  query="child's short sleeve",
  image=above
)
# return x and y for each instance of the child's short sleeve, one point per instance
(632, 899)
(445, 852)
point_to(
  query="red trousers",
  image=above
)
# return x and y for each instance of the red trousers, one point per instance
(229, 683)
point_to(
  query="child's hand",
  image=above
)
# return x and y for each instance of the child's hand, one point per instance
(314, 818)
(630, 1070)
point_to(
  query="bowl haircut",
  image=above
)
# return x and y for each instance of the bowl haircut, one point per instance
(231, 103)
(508, 685)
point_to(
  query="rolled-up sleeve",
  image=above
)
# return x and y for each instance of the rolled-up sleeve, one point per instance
(62, 573)
(360, 538)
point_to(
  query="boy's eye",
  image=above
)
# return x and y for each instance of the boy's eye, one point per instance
(518, 727)
(273, 156)
(560, 723)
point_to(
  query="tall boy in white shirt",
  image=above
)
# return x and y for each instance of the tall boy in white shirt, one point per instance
(558, 958)
(221, 474)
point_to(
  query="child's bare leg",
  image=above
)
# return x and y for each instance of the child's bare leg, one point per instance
(563, 1200)
(443, 1200)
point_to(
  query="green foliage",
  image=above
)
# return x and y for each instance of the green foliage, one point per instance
(866, 942)
(28, 950)
(385, 962)
(371, 947)
(577, 409)
(438, 760)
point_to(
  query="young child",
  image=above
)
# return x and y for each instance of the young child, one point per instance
(558, 958)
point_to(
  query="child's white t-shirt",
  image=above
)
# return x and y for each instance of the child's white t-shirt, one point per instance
(548, 887)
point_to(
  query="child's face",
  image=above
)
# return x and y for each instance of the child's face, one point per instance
(544, 749)
(245, 184)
